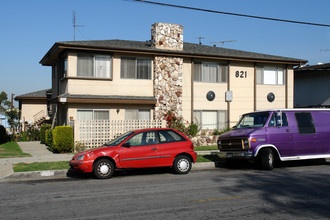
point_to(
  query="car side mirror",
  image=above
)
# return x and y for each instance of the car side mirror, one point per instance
(127, 145)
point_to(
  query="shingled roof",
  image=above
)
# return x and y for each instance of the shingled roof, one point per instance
(189, 50)
(41, 94)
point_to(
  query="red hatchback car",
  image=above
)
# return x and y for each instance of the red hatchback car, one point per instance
(138, 149)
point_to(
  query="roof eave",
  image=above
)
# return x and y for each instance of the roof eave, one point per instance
(57, 48)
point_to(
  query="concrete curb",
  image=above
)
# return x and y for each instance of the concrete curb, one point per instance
(37, 174)
(46, 174)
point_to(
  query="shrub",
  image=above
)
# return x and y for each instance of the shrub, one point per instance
(176, 123)
(49, 138)
(217, 132)
(33, 134)
(193, 129)
(24, 136)
(43, 129)
(4, 138)
(63, 139)
(78, 146)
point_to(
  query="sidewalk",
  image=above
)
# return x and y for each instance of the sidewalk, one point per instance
(39, 153)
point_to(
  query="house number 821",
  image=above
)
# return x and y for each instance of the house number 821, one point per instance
(241, 74)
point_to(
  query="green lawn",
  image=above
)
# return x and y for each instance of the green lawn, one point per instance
(201, 148)
(207, 158)
(11, 149)
(23, 167)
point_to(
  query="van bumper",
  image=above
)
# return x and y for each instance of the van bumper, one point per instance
(235, 154)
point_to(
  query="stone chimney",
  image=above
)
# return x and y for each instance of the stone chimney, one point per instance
(168, 70)
(167, 36)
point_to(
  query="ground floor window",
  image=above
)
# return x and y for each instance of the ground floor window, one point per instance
(92, 114)
(137, 114)
(211, 119)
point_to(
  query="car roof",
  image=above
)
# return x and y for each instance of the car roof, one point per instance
(152, 129)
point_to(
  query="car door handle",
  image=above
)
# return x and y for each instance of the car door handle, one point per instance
(153, 148)
(287, 130)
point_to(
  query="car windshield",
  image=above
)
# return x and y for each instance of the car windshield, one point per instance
(257, 119)
(119, 139)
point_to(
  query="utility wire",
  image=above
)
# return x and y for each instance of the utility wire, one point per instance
(229, 13)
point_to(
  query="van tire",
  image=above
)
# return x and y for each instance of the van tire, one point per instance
(267, 159)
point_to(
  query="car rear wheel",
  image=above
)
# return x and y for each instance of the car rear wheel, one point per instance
(103, 169)
(267, 159)
(182, 164)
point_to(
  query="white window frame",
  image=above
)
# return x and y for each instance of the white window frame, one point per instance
(94, 61)
(278, 77)
(136, 59)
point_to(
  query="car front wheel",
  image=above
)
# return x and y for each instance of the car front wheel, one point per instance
(182, 164)
(103, 169)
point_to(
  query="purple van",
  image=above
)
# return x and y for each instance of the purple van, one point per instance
(284, 134)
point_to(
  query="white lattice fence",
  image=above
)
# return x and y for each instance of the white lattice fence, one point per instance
(94, 133)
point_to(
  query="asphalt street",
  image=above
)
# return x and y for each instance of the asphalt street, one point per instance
(293, 191)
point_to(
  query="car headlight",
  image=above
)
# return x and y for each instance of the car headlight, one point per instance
(81, 157)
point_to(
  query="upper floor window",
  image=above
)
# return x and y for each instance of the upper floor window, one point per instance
(210, 72)
(63, 67)
(98, 66)
(270, 75)
(135, 68)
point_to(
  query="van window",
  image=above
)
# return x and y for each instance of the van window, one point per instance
(256, 119)
(305, 123)
(278, 120)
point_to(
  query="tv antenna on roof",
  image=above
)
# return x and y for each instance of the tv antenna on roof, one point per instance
(75, 25)
(200, 39)
(221, 42)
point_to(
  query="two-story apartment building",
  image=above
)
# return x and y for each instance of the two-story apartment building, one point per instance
(120, 79)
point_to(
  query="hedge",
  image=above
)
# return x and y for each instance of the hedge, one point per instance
(49, 138)
(43, 129)
(63, 139)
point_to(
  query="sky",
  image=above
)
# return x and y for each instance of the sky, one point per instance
(30, 28)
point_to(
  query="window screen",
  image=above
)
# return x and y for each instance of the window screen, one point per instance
(210, 72)
(101, 115)
(85, 65)
(98, 66)
(135, 68)
(137, 114)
